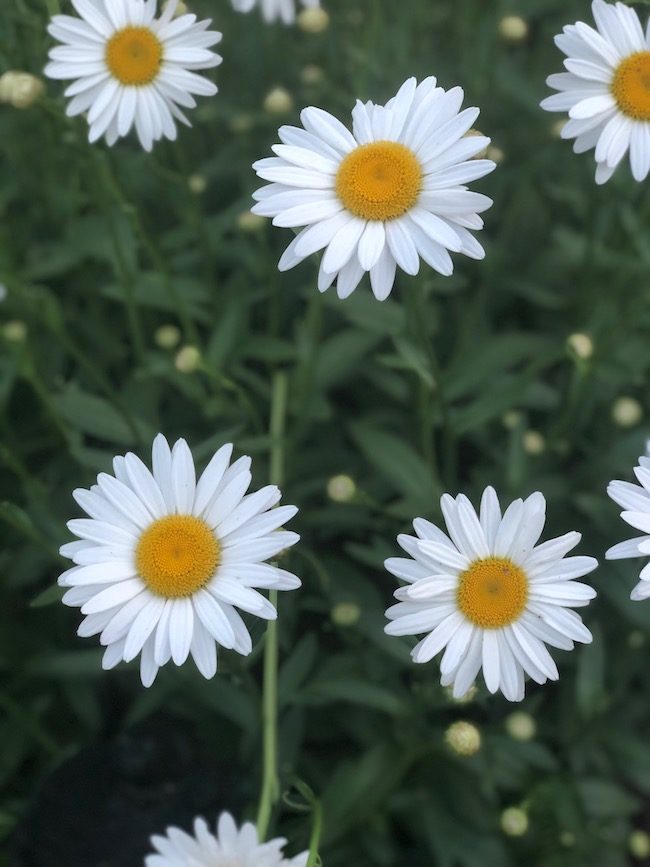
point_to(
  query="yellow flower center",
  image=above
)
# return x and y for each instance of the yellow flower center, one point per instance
(379, 181)
(493, 592)
(134, 55)
(631, 85)
(177, 555)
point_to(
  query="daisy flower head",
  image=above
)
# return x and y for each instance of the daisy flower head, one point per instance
(230, 847)
(388, 193)
(606, 89)
(129, 68)
(164, 560)
(488, 595)
(274, 10)
(635, 502)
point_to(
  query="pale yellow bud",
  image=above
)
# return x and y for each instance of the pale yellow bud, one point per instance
(167, 336)
(627, 411)
(313, 20)
(513, 28)
(278, 101)
(247, 221)
(483, 153)
(495, 154)
(521, 726)
(533, 442)
(312, 74)
(567, 839)
(468, 698)
(511, 419)
(557, 127)
(241, 123)
(463, 738)
(188, 359)
(14, 331)
(345, 613)
(341, 489)
(197, 184)
(514, 822)
(181, 9)
(581, 344)
(639, 844)
(20, 89)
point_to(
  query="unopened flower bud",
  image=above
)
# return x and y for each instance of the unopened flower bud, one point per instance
(581, 344)
(521, 726)
(167, 336)
(278, 101)
(313, 20)
(627, 411)
(463, 738)
(188, 359)
(513, 28)
(345, 613)
(514, 822)
(20, 89)
(341, 489)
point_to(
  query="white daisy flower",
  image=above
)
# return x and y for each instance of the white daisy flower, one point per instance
(231, 847)
(384, 195)
(635, 501)
(487, 596)
(131, 68)
(606, 89)
(274, 10)
(164, 560)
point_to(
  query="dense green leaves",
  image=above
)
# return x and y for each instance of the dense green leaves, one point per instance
(436, 389)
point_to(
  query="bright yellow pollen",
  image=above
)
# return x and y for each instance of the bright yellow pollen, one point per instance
(177, 555)
(134, 55)
(379, 181)
(493, 592)
(631, 85)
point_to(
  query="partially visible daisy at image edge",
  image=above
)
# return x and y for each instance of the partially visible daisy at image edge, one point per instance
(164, 560)
(488, 595)
(275, 10)
(131, 69)
(635, 502)
(606, 89)
(389, 193)
(230, 847)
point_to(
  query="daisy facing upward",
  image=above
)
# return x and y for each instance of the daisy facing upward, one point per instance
(164, 560)
(388, 193)
(606, 89)
(489, 595)
(131, 68)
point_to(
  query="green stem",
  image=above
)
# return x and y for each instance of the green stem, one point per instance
(125, 272)
(316, 832)
(270, 791)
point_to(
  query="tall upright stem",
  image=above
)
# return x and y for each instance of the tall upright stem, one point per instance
(270, 790)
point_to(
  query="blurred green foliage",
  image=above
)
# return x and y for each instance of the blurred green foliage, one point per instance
(99, 249)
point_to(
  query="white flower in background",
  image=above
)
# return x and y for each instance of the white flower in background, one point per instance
(387, 194)
(606, 89)
(131, 68)
(164, 560)
(487, 596)
(274, 10)
(231, 847)
(635, 501)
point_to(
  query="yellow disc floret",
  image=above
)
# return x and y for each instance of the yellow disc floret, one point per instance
(492, 592)
(177, 555)
(631, 85)
(379, 181)
(134, 55)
